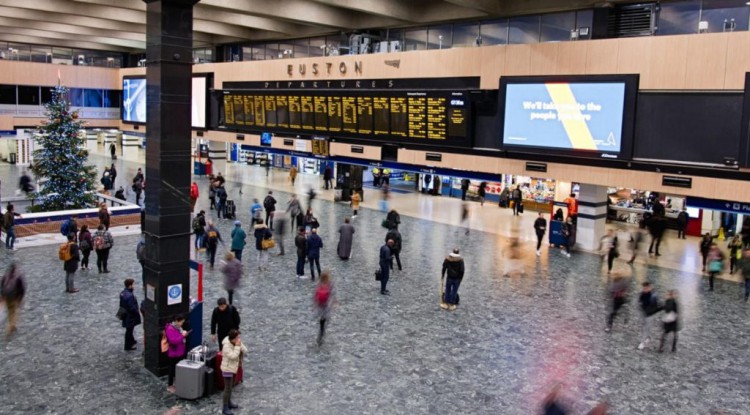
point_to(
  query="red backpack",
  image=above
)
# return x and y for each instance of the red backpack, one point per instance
(322, 294)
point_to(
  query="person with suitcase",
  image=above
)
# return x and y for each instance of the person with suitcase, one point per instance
(175, 336)
(232, 351)
(224, 318)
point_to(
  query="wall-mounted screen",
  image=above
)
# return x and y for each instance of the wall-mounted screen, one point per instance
(134, 100)
(266, 139)
(436, 117)
(588, 116)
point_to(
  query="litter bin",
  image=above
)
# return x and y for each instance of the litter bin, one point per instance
(12, 158)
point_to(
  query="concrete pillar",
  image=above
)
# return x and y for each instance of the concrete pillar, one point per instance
(592, 216)
(169, 43)
(217, 152)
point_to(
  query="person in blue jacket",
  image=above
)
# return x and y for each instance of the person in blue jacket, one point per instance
(238, 240)
(314, 243)
(132, 315)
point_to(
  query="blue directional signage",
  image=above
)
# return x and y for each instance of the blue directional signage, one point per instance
(717, 204)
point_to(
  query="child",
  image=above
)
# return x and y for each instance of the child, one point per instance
(323, 302)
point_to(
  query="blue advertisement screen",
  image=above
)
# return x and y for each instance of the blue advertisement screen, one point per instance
(134, 100)
(573, 116)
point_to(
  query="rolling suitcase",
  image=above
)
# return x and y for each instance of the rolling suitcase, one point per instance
(190, 378)
(520, 208)
(230, 210)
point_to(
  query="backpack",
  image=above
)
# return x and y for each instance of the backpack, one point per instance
(267, 203)
(84, 244)
(213, 236)
(197, 224)
(164, 343)
(64, 252)
(322, 295)
(99, 242)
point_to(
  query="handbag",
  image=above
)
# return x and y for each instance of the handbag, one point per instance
(267, 243)
(669, 317)
(121, 313)
(378, 275)
(164, 343)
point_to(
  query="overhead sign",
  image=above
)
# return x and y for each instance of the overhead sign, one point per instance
(717, 204)
(174, 294)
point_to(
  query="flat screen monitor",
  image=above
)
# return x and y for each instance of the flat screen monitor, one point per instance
(583, 116)
(265, 139)
(134, 100)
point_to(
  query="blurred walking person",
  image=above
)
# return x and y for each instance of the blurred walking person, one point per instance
(232, 270)
(649, 303)
(636, 237)
(465, 216)
(705, 246)
(608, 247)
(293, 174)
(715, 264)
(735, 252)
(280, 219)
(324, 300)
(314, 243)
(618, 291)
(262, 234)
(670, 320)
(213, 237)
(300, 241)
(354, 204)
(293, 209)
(12, 291)
(540, 228)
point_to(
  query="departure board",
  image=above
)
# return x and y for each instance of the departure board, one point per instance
(270, 110)
(399, 117)
(435, 116)
(282, 111)
(335, 119)
(380, 115)
(307, 109)
(229, 109)
(416, 107)
(458, 115)
(349, 110)
(364, 113)
(321, 113)
(295, 114)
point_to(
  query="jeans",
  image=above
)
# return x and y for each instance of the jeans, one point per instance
(269, 219)
(314, 261)
(220, 210)
(102, 256)
(263, 259)
(385, 270)
(199, 240)
(516, 205)
(451, 290)
(237, 254)
(648, 321)
(300, 265)
(138, 197)
(10, 237)
(129, 338)
(539, 237)
(69, 281)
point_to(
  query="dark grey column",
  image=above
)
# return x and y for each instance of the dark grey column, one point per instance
(169, 44)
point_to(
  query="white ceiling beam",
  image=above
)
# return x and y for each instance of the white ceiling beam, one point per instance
(130, 44)
(45, 41)
(493, 7)
(303, 12)
(75, 30)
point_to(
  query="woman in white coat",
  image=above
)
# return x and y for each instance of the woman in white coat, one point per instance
(232, 352)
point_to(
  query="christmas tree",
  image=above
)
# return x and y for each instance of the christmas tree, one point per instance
(66, 182)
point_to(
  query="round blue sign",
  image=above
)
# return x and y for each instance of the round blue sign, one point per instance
(175, 292)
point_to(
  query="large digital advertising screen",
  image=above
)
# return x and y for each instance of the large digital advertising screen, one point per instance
(134, 100)
(583, 117)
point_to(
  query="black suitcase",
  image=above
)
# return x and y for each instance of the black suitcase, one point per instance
(520, 208)
(230, 210)
(210, 382)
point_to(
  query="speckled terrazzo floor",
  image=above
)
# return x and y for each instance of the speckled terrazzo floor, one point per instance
(510, 340)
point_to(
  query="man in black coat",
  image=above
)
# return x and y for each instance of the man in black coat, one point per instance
(395, 235)
(682, 221)
(453, 265)
(464, 188)
(269, 204)
(385, 265)
(657, 224)
(224, 318)
(132, 315)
